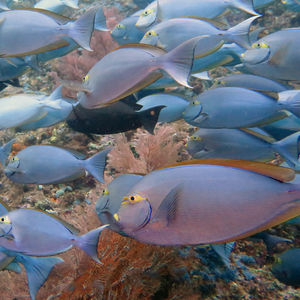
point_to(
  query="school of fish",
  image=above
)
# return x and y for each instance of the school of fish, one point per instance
(225, 193)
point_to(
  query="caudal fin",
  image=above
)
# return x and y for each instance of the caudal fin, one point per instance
(100, 20)
(81, 30)
(289, 148)
(95, 165)
(239, 33)
(244, 5)
(5, 151)
(179, 61)
(3, 5)
(37, 270)
(89, 242)
(224, 251)
(290, 100)
(149, 117)
(271, 240)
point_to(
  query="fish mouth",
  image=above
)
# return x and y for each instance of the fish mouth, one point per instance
(8, 172)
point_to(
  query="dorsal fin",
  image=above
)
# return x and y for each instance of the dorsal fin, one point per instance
(159, 14)
(154, 49)
(260, 136)
(210, 21)
(58, 18)
(279, 173)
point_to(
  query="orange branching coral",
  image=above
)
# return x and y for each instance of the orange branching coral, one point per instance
(130, 270)
(146, 152)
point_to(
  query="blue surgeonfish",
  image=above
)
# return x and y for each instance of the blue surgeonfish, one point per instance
(37, 268)
(234, 107)
(171, 33)
(161, 10)
(45, 164)
(208, 201)
(132, 67)
(53, 116)
(275, 56)
(126, 32)
(45, 235)
(21, 109)
(242, 144)
(30, 32)
(252, 82)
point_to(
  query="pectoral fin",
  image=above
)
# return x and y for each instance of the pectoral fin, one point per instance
(279, 56)
(201, 118)
(166, 212)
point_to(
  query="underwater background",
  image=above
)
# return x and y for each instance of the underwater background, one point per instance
(131, 269)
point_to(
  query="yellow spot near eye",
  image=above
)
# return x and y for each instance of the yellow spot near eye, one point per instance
(151, 33)
(120, 26)
(283, 1)
(116, 217)
(15, 158)
(243, 54)
(196, 102)
(105, 192)
(86, 78)
(260, 45)
(278, 260)
(5, 220)
(147, 12)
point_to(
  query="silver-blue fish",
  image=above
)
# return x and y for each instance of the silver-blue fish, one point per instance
(234, 107)
(39, 234)
(45, 164)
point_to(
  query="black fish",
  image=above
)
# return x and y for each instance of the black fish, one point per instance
(118, 117)
(14, 82)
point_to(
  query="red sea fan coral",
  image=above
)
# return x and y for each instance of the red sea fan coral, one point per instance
(146, 152)
(76, 64)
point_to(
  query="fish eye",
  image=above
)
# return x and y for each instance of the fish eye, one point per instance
(132, 198)
(5, 219)
(86, 78)
(260, 45)
(147, 12)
